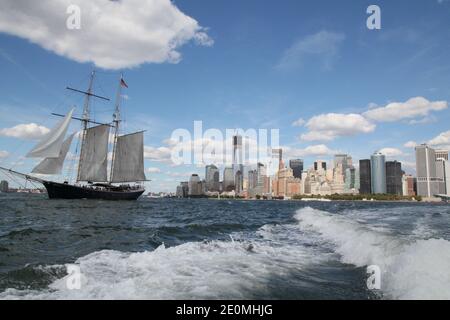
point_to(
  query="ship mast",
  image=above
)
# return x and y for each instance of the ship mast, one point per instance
(116, 121)
(85, 121)
(85, 118)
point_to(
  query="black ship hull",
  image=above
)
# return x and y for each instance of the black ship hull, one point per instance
(57, 190)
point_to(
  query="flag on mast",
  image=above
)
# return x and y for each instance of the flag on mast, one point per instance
(123, 83)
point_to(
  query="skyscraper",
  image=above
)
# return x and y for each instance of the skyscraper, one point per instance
(378, 172)
(443, 176)
(239, 181)
(238, 167)
(344, 159)
(365, 177)
(228, 179)
(278, 153)
(212, 178)
(297, 167)
(357, 180)
(447, 177)
(427, 184)
(394, 177)
(237, 150)
(352, 183)
(195, 186)
(183, 190)
(319, 164)
(262, 173)
(252, 179)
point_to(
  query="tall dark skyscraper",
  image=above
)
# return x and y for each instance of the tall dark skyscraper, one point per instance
(394, 177)
(297, 167)
(365, 177)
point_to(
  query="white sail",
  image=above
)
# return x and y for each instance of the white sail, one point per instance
(94, 155)
(54, 165)
(50, 145)
(128, 163)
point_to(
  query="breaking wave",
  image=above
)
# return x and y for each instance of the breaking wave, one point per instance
(411, 269)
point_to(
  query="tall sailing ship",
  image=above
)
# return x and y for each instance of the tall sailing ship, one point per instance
(126, 175)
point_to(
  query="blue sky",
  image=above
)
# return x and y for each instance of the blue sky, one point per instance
(248, 64)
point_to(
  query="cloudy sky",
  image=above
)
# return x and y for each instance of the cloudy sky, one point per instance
(309, 68)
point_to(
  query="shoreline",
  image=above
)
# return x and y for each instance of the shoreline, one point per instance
(325, 200)
(313, 199)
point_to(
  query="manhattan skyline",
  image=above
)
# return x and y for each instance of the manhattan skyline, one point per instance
(312, 70)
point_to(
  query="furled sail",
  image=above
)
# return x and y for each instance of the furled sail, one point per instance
(94, 155)
(54, 165)
(51, 143)
(128, 163)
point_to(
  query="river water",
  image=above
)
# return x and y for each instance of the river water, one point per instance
(221, 249)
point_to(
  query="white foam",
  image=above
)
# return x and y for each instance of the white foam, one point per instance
(410, 269)
(194, 270)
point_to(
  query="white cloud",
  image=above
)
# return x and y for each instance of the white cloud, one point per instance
(414, 107)
(299, 122)
(113, 34)
(391, 152)
(424, 120)
(179, 174)
(411, 165)
(25, 131)
(323, 45)
(309, 151)
(410, 144)
(161, 154)
(442, 139)
(327, 127)
(372, 105)
(4, 154)
(153, 170)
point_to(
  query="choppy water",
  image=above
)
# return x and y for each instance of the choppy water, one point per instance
(211, 249)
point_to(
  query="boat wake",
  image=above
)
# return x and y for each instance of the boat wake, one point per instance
(416, 269)
(318, 255)
(234, 269)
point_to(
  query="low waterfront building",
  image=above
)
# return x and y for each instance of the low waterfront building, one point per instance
(409, 186)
